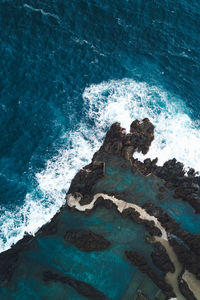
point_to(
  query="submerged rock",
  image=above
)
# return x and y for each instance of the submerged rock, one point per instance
(9, 259)
(185, 185)
(84, 289)
(187, 293)
(137, 259)
(86, 240)
(186, 245)
(142, 296)
(120, 145)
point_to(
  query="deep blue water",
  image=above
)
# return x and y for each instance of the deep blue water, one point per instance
(68, 69)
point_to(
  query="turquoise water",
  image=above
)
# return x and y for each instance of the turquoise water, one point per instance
(139, 189)
(68, 70)
(109, 271)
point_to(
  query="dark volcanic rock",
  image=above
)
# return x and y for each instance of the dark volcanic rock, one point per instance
(143, 134)
(113, 142)
(191, 240)
(141, 296)
(171, 171)
(86, 240)
(135, 217)
(117, 142)
(162, 189)
(185, 187)
(118, 195)
(85, 289)
(138, 260)
(104, 203)
(86, 178)
(189, 260)
(160, 196)
(188, 247)
(186, 292)
(50, 228)
(151, 228)
(161, 259)
(167, 222)
(9, 259)
(86, 199)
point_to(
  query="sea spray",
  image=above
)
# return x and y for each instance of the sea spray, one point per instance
(126, 100)
(105, 103)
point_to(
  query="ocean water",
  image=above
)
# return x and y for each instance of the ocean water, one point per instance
(68, 70)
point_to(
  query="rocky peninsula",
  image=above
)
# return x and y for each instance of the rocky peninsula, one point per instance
(165, 254)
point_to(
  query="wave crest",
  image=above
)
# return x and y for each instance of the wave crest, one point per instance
(124, 100)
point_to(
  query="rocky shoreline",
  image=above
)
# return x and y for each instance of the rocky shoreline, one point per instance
(159, 225)
(185, 185)
(165, 253)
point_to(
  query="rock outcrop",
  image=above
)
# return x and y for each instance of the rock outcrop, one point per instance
(86, 178)
(186, 292)
(186, 245)
(185, 185)
(84, 289)
(188, 259)
(119, 143)
(86, 240)
(161, 259)
(174, 177)
(138, 260)
(9, 259)
(149, 225)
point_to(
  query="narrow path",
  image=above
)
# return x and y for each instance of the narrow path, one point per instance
(193, 283)
(171, 278)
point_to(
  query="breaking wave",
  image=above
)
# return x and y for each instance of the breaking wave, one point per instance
(176, 135)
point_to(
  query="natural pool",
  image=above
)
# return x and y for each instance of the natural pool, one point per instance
(139, 189)
(109, 271)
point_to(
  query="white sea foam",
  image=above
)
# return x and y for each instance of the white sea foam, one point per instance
(44, 13)
(105, 103)
(49, 195)
(176, 135)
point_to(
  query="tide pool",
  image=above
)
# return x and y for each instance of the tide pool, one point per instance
(109, 271)
(139, 189)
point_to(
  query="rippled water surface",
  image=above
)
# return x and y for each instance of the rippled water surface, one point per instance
(68, 70)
